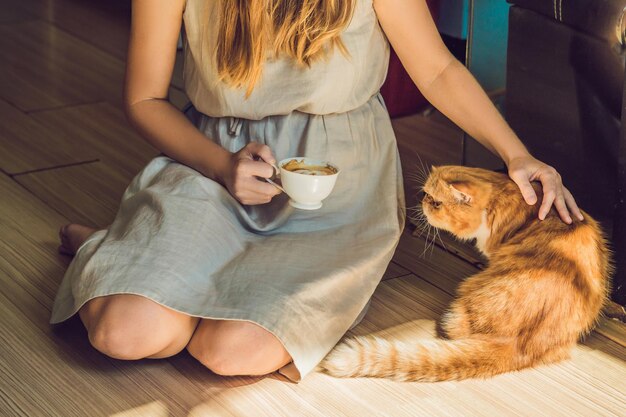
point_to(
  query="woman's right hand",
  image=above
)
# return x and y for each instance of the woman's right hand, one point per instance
(243, 172)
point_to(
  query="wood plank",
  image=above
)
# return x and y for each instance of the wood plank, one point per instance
(29, 257)
(102, 130)
(394, 271)
(44, 67)
(431, 137)
(16, 11)
(432, 263)
(465, 250)
(612, 329)
(26, 144)
(104, 24)
(38, 378)
(88, 194)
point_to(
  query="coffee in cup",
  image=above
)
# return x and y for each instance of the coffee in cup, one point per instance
(299, 166)
(307, 181)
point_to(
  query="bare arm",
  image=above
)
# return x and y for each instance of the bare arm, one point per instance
(452, 89)
(443, 80)
(154, 34)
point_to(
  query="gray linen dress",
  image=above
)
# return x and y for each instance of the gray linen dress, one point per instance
(182, 240)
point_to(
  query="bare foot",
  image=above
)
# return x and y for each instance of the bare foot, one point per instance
(73, 235)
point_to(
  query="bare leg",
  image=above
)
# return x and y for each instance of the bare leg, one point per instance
(229, 347)
(127, 326)
(73, 235)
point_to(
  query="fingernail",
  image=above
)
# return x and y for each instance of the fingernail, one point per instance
(581, 218)
(568, 220)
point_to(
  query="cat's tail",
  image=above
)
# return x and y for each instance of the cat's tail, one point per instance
(430, 360)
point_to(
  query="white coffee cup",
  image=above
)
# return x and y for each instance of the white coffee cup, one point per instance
(306, 191)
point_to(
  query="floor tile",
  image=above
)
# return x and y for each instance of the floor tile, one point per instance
(45, 67)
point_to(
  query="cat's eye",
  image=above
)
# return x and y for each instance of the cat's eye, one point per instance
(431, 201)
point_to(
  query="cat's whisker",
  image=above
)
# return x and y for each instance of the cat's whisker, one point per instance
(418, 174)
(418, 171)
(416, 215)
(424, 171)
(421, 172)
(420, 225)
(441, 240)
(423, 228)
(428, 240)
(417, 218)
(418, 182)
(434, 239)
(415, 207)
(431, 242)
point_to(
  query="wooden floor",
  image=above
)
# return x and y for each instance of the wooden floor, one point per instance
(67, 154)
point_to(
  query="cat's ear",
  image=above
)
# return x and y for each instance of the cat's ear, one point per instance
(461, 196)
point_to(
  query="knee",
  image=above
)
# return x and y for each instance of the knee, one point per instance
(231, 355)
(133, 327)
(115, 341)
(219, 361)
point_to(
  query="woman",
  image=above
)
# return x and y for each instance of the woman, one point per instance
(205, 255)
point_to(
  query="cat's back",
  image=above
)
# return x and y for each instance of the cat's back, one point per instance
(577, 252)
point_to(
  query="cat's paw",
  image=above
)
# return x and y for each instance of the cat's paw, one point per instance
(344, 360)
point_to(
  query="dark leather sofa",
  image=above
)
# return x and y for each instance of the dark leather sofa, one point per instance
(566, 100)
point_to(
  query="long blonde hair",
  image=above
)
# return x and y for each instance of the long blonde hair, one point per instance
(304, 30)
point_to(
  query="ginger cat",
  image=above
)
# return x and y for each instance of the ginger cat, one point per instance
(543, 289)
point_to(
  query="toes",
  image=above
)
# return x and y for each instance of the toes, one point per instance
(72, 236)
(64, 250)
(65, 247)
(63, 231)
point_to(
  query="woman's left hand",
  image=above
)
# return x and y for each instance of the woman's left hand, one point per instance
(525, 169)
